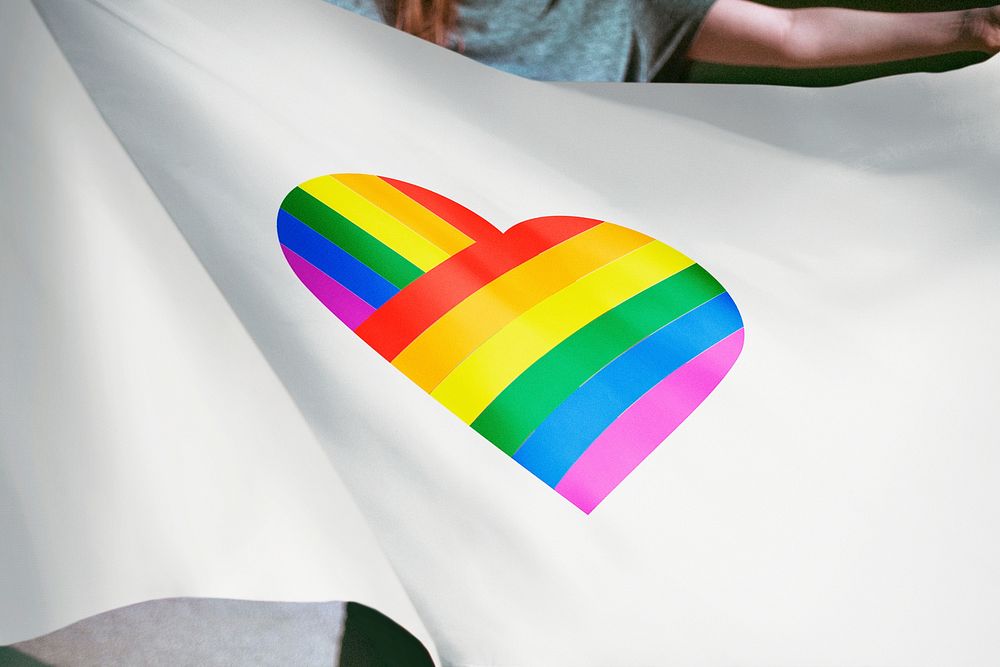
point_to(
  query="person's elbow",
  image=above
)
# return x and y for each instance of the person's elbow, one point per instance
(737, 32)
(797, 44)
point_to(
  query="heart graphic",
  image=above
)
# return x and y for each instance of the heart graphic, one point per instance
(575, 346)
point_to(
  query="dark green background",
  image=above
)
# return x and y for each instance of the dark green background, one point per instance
(710, 73)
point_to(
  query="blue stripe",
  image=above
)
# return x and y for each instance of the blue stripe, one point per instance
(333, 260)
(567, 432)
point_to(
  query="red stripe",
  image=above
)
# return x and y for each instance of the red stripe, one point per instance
(459, 217)
(405, 316)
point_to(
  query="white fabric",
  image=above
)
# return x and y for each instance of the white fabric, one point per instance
(833, 503)
(147, 450)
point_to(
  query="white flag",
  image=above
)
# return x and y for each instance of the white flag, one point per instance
(183, 418)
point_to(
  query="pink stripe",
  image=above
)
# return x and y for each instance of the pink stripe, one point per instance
(342, 302)
(645, 424)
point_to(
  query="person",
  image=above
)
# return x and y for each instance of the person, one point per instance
(657, 40)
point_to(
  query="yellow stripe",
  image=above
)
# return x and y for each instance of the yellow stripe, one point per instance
(434, 353)
(369, 217)
(496, 363)
(407, 211)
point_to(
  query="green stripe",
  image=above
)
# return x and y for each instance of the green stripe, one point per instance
(352, 239)
(528, 400)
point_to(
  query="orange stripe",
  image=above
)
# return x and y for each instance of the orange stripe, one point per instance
(407, 211)
(405, 316)
(497, 362)
(442, 346)
(456, 215)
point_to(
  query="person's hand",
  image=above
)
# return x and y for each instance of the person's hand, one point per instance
(983, 29)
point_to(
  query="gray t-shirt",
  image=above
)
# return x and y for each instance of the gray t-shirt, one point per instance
(574, 40)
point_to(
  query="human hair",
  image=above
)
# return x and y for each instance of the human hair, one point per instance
(433, 20)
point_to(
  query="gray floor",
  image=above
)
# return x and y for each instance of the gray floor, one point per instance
(189, 631)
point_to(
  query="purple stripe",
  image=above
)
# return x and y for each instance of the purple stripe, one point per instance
(345, 304)
(640, 429)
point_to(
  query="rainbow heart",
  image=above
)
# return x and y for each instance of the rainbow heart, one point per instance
(576, 346)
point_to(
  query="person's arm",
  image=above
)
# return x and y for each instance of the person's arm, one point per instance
(739, 32)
